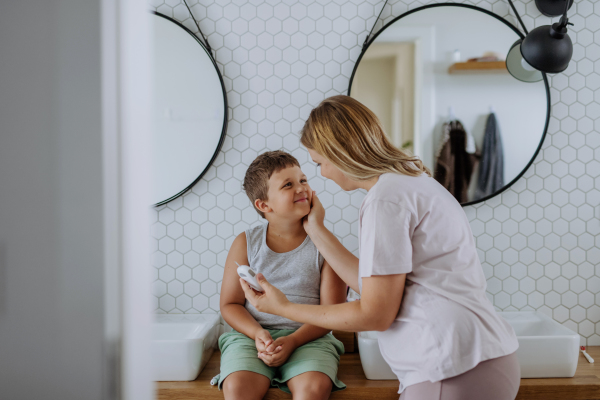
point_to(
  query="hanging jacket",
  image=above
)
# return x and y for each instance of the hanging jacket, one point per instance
(491, 169)
(456, 160)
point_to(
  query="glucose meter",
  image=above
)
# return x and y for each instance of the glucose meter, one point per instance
(247, 274)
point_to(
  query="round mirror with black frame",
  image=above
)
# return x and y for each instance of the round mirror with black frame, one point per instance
(436, 77)
(189, 114)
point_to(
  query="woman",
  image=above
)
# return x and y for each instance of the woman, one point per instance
(419, 275)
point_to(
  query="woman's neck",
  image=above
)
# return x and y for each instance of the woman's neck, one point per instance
(368, 184)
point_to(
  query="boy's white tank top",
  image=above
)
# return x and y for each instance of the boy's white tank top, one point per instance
(296, 273)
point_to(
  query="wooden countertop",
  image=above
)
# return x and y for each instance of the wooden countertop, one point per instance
(585, 385)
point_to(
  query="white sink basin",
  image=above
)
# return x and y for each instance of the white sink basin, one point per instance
(371, 359)
(547, 349)
(182, 345)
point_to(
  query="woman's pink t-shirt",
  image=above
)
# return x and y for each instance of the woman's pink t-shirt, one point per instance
(446, 325)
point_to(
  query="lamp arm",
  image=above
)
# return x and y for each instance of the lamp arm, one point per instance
(519, 17)
(564, 20)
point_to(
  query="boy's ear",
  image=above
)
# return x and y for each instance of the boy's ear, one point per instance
(262, 206)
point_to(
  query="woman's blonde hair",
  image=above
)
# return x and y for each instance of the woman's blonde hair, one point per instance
(351, 137)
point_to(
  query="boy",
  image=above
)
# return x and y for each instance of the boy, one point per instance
(265, 349)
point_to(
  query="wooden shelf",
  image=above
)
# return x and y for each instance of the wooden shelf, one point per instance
(584, 385)
(489, 67)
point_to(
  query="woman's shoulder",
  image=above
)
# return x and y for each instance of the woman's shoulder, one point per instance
(418, 195)
(396, 188)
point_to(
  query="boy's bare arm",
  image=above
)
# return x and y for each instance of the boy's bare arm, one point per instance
(333, 291)
(232, 298)
(342, 260)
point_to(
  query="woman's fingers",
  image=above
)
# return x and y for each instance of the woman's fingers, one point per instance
(249, 292)
(264, 283)
(270, 301)
(316, 215)
(315, 200)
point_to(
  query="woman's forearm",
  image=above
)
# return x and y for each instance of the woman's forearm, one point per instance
(349, 317)
(240, 319)
(307, 333)
(343, 262)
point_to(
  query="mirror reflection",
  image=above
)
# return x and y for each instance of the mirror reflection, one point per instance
(189, 110)
(437, 80)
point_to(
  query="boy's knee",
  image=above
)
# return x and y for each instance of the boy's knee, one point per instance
(241, 386)
(318, 387)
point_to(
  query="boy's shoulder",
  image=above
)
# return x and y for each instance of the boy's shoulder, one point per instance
(251, 237)
(254, 232)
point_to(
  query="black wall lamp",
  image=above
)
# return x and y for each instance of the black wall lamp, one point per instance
(547, 48)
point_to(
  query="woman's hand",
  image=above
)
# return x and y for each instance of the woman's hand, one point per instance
(263, 340)
(283, 347)
(314, 219)
(271, 301)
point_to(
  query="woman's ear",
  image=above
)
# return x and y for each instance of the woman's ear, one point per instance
(262, 206)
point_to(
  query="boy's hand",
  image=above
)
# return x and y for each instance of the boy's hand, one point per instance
(263, 340)
(316, 216)
(284, 347)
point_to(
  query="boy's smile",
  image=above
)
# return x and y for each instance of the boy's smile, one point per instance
(305, 198)
(289, 193)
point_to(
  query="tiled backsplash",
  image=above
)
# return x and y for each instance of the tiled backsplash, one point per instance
(539, 241)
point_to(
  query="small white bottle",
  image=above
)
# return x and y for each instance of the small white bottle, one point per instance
(456, 56)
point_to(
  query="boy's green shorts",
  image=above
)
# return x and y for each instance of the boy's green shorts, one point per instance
(238, 353)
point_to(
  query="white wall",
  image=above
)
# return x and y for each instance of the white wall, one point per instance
(73, 245)
(51, 291)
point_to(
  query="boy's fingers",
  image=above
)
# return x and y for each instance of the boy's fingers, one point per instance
(266, 341)
(275, 346)
(266, 358)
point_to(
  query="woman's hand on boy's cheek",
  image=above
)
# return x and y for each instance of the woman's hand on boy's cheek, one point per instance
(316, 216)
(282, 349)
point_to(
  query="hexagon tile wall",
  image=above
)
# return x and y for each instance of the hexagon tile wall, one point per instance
(538, 242)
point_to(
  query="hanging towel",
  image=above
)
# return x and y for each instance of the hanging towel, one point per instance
(491, 169)
(456, 160)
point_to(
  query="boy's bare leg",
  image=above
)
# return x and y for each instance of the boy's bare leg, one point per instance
(310, 386)
(245, 385)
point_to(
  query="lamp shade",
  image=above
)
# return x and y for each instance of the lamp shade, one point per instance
(552, 8)
(518, 67)
(548, 48)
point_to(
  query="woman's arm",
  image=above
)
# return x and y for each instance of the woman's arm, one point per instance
(376, 310)
(333, 291)
(343, 262)
(232, 296)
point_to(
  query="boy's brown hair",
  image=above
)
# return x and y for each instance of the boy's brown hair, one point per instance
(256, 181)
